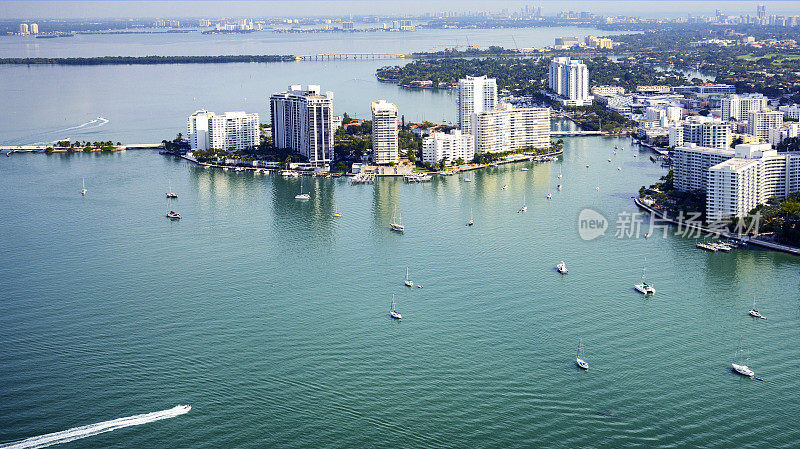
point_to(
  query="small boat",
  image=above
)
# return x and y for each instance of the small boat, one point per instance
(187, 407)
(467, 180)
(505, 186)
(83, 189)
(524, 206)
(301, 195)
(170, 193)
(172, 215)
(619, 168)
(393, 311)
(395, 224)
(558, 187)
(408, 282)
(336, 212)
(609, 160)
(755, 313)
(740, 368)
(560, 175)
(644, 288)
(587, 165)
(578, 360)
(523, 169)
(615, 152)
(646, 235)
(597, 188)
(562, 268)
(549, 196)
(615, 147)
(470, 222)
(634, 154)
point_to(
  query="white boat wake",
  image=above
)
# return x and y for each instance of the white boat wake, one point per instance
(77, 433)
(96, 123)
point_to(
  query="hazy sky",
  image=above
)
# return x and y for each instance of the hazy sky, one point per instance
(291, 8)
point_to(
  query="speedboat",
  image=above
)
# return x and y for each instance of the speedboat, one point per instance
(187, 407)
(524, 169)
(562, 268)
(645, 288)
(172, 195)
(505, 186)
(755, 313)
(337, 214)
(172, 215)
(549, 196)
(302, 196)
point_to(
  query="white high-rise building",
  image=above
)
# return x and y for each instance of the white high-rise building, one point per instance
(475, 94)
(302, 120)
(23, 29)
(448, 147)
(703, 131)
(690, 164)
(569, 78)
(739, 106)
(235, 131)
(34, 28)
(507, 128)
(385, 142)
(759, 123)
(787, 131)
(790, 111)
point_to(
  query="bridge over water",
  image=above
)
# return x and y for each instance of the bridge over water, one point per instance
(329, 56)
(575, 133)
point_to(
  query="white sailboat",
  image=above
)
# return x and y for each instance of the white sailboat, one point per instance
(755, 313)
(170, 193)
(83, 189)
(560, 175)
(393, 311)
(301, 195)
(524, 206)
(470, 222)
(741, 368)
(558, 187)
(644, 288)
(562, 268)
(396, 224)
(408, 282)
(578, 360)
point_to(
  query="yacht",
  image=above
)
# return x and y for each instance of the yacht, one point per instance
(301, 195)
(644, 288)
(578, 360)
(470, 222)
(562, 268)
(83, 189)
(393, 311)
(172, 215)
(408, 282)
(395, 224)
(755, 313)
(739, 368)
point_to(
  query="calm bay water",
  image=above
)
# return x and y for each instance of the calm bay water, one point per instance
(271, 317)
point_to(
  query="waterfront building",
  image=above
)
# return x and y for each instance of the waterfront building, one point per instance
(702, 131)
(23, 29)
(690, 164)
(231, 131)
(598, 42)
(663, 114)
(448, 147)
(385, 142)
(475, 94)
(565, 43)
(759, 123)
(739, 106)
(569, 78)
(303, 121)
(34, 28)
(507, 128)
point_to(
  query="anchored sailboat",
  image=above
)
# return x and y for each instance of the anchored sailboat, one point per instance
(83, 189)
(396, 224)
(755, 313)
(408, 282)
(301, 195)
(740, 368)
(578, 360)
(643, 287)
(170, 193)
(470, 222)
(393, 311)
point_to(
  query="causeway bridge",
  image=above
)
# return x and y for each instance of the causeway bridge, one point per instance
(331, 56)
(575, 133)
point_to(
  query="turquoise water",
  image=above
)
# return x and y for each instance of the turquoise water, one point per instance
(271, 318)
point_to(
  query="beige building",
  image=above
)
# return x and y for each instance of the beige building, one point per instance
(385, 142)
(507, 128)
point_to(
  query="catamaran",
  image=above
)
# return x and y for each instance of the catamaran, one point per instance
(170, 193)
(755, 313)
(408, 282)
(562, 268)
(470, 222)
(301, 195)
(395, 224)
(644, 288)
(393, 311)
(741, 369)
(578, 360)
(83, 189)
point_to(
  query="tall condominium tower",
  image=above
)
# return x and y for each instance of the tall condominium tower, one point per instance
(475, 94)
(384, 132)
(302, 120)
(569, 78)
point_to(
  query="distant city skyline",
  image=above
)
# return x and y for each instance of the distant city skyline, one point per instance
(27, 10)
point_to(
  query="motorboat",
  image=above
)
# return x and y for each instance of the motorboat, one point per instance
(558, 187)
(467, 180)
(172, 215)
(549, 196)
(408, 282)
(562, 268)
(471, 221)
(755, 313)
(619, 168)
(505, 186)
